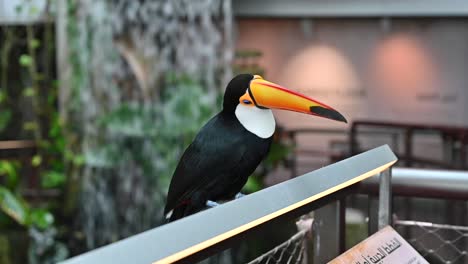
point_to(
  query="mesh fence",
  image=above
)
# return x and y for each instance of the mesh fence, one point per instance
(291, 251)
(437, 243)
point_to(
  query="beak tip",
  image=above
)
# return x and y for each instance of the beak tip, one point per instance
(328, 113)
(342, 119)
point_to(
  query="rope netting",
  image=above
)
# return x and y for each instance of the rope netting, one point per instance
(291, 251)
(437, 243)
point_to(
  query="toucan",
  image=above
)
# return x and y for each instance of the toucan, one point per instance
(227, 150)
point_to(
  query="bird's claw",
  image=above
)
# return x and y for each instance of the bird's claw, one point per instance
(211, 203)
(239, 195)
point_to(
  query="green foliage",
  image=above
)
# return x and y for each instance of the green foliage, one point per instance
(5, 113)
(253, 184)
(40, 218)
(4, 250)
(25, 60)
(5, 117)
(185, 109)
(19, 210)
(137, 148)
(53, 179)
(38, 99)
(36, 160)
(170, 125)
(29, 92)
(279, 151)
(30, 126)
(9, 171)
(35, 43)
(11, 205)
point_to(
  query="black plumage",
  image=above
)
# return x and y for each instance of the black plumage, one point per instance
(219, 161)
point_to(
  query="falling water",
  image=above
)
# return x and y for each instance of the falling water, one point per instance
(135, 108)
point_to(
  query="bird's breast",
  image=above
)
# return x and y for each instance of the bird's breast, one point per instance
(260, 122)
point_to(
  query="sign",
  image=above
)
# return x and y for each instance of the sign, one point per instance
(385, 246)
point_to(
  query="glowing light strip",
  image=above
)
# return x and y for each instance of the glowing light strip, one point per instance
(210, 242)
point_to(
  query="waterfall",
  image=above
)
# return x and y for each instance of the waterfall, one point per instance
(145, 75)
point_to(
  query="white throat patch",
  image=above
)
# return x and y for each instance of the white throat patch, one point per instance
(260, 122)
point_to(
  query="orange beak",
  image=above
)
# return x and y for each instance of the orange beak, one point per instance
(266, 94)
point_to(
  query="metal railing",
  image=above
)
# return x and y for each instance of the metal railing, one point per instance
(419, 183)
(454, 142)
(195, 237)
(438, 243)
(442, 184)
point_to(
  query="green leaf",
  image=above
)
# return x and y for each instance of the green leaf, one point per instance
(25, 60)
(52, 179)
(55, 128)
(35, 43)
(12, 206)
(79, 160)
(41, 218)
(51, 98)
(33, 10)
(31, 125)
(5, 117)
(29, 92)
(253, 184)
(55, 83)
(4, 249)
(36, 160)
(278, 151)
(9, 169)
(3, 95)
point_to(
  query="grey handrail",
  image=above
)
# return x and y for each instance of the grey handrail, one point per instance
(356, 8)
(191, 235)
(445, 184)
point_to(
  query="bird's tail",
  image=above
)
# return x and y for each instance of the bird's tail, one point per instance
(175, 214)
(180, 212)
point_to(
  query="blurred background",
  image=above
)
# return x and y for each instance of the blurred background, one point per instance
(98, 100)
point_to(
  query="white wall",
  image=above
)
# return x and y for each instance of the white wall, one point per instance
(439, 61)
(433, 67)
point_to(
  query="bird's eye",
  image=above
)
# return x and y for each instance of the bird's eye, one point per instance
(246, 102)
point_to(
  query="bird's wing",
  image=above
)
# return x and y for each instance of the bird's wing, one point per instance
(214, 151)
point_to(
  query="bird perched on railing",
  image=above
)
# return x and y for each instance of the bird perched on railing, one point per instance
(232, 144)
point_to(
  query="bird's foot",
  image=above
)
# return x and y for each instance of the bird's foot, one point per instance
(210, 203)
(239, 195)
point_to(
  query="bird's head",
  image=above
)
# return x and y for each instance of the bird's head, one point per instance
(253, 92)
